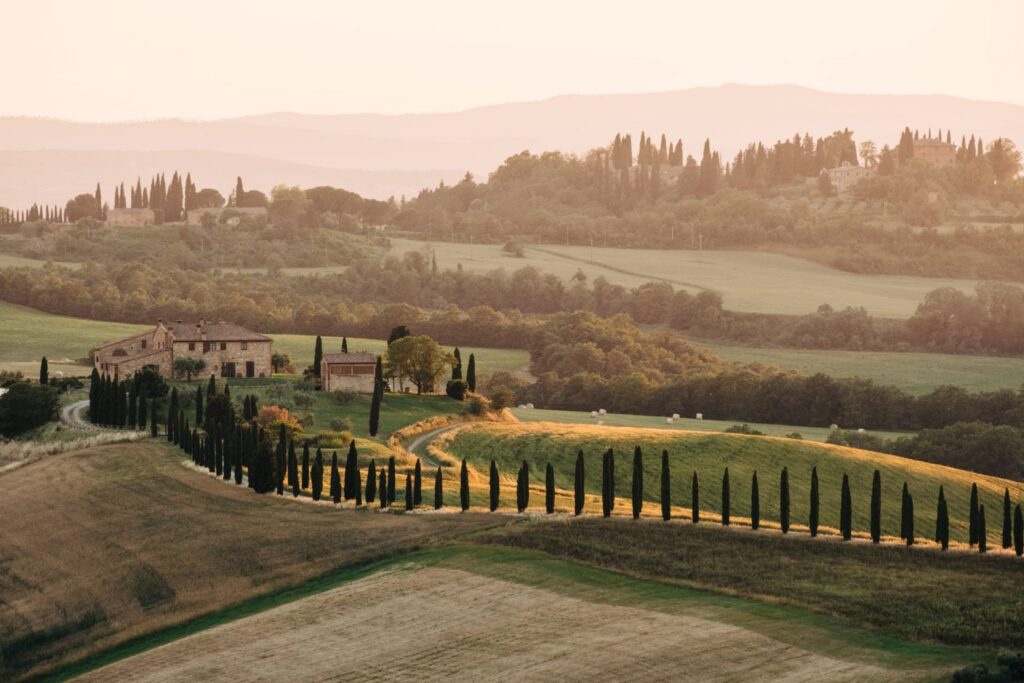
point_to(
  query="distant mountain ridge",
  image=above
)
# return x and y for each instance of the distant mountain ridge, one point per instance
(379, 155)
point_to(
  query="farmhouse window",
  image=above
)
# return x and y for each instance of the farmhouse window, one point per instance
(207, 346)
(191, 346)
(245, 346)
(143, 343)
(223, 346)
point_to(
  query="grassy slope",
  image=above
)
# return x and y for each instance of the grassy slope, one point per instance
(748, 281)
(27, 334)
(913, 594)
(709, 454)
(917, 373)
(154, 544)
(682, 424)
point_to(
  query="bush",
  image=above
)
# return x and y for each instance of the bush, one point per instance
(743, 429)
(513, 248)
(341, 424)
(344, 396)
(26, 406)
(477, 406)
(333, 439)
(853, 439)
(456, 388)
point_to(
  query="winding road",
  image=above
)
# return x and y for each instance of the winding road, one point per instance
(418, 446)
(71, 415)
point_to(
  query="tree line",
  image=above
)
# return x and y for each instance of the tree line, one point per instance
(234, 447)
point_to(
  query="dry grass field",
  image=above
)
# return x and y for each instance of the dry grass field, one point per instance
(498, 614)
(106, 544)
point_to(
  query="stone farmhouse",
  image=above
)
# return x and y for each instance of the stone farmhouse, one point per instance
(846, 176)
(229, 350)
(348, 371)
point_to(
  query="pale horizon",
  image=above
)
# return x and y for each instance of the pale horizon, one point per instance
(203, 62)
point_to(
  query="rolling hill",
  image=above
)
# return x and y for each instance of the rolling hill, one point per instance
(477, 140)
(709, 454)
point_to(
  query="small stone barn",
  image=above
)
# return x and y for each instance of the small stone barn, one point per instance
(348, 371)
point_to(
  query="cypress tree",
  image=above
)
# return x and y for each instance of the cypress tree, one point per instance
(909, 506)
(318, 355)
(371, 482)
(876, 507)
(229, 457)
(239, 452)
(942, 522)
(638, 482)
(344, 344)
(293, 469)
(438, 490)
(608, 483)
(725, 497)
(133, 406)
(199, 405)
(141, 414)
(305, 465)
(1007, 517)
(579, 495)
(172, 411)
(152, 418)
(666, 488)
(784, 500)
(318, 474)
(417, 484)
(471, 373)
(408, 491)
(973, 522)
(903, 514)
(457, 366)
(523, 492)
(846, 510)
(938, 529)
(351, 465)
(755, 503)
(494, 486)
(335, 479)
(44, 371)
(211, 387)
(378, 394)
(695, 499)
(464, 486)
(1018, 531)
(382, 488)
(549, 480)
(982, 535)
(391, 480)
(94, 392)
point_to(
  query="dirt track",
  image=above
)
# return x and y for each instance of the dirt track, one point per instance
(434, 623)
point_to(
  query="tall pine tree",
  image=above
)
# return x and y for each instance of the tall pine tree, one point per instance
(755, 503)
(726, 503)
(493, 487)
(846, 510)
(438, 489)
(579, 490)
(876, 507)
(638, 482)
(666, 488)
(784, 500)
(695, 499)
(973, 520)
(464, 486)
(549, 486)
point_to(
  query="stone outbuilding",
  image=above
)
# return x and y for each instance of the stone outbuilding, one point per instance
(348, 371)
(228, 350)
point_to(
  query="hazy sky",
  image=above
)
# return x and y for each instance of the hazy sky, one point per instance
(134, 59)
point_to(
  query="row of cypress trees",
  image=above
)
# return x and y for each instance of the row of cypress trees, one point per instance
(1012, 527)
(114, 402)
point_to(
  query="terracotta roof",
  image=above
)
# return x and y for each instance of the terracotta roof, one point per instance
(214, 332)
(124, 340)
(349, 358)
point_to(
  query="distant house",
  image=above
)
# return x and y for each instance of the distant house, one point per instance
(845, 177)
(229, 350)
(232, 214)
(131, 217)
(350, 371)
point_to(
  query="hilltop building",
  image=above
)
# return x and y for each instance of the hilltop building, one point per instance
(131, 217)
(234, 214)
(229, 350)
(935, 151)
(846, 176)
(348, 371)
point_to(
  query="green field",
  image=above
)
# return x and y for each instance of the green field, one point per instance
(917, 373)
(748, 281)
(684, 424)
(27, 334)
(710, 454)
